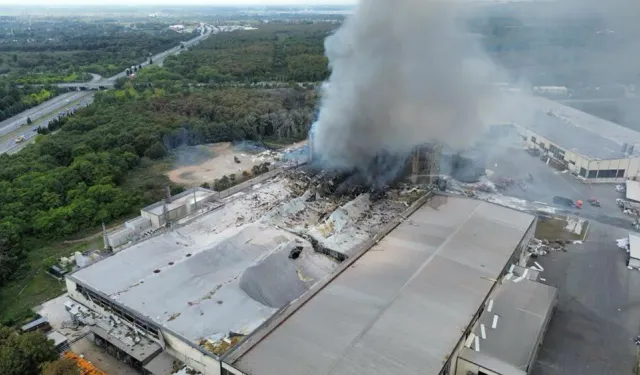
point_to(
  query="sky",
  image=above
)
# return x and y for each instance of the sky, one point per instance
(57, 3)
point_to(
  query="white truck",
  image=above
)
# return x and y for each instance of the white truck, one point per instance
(20, 139)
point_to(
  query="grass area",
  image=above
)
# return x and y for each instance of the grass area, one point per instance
(33, 286)
(553, 229)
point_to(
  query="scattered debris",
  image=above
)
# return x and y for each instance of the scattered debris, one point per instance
(539, 247)
(221, 345)
(623, 243)
(577, 242)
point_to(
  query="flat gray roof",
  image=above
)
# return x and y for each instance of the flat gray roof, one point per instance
(523, 308)
(401, 308)
(574, 138)
(578, 119)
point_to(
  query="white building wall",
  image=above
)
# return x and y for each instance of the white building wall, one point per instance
(635, 263)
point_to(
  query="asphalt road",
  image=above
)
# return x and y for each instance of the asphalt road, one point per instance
(48, 110)
(598, 313)
(11, 124)
(28, 132)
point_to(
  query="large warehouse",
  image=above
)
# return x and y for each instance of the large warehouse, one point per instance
(438, 295)
(241, 290)
(594, 149)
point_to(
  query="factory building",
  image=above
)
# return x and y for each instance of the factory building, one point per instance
(236, 289)
(423, 300)
(593, 149)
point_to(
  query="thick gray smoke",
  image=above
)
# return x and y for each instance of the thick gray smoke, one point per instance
(404, 73)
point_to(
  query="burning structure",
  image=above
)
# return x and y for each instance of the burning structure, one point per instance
(195, 288)
(204, 289)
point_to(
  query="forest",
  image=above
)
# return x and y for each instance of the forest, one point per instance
(274, 52)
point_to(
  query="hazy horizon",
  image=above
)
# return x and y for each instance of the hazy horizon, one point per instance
(90, 3)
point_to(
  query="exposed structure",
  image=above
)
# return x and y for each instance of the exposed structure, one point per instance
(594, 149)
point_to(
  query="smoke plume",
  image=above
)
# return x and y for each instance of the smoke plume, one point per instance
(403, 73)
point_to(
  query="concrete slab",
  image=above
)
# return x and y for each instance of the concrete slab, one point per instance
(597, 316)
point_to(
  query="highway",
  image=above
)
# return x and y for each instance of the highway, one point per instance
(16, 126)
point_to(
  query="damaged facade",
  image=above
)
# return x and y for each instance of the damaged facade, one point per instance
(222, 274)
(198, 287)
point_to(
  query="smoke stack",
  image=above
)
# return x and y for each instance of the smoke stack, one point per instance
(167, 194)
(630, 150)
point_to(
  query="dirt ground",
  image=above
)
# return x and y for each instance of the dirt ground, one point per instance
(220, 165)
(100, 358)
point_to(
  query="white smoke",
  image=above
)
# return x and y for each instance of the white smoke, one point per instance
(403, 73)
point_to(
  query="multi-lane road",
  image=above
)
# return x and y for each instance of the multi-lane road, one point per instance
(16, 128)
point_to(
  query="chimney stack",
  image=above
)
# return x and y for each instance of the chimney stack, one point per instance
(167, 194)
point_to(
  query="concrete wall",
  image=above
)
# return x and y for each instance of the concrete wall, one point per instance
(635, 263)
(190, 356)
(464, 367)
(138, 224)
(119, 237)
(155, 219)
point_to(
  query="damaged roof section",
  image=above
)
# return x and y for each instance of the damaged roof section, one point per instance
(403, 305)
(218, 277)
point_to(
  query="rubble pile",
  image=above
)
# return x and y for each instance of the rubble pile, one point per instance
(539, 247)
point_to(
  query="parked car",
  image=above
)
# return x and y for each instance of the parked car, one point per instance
(594, 202)
(621, 188)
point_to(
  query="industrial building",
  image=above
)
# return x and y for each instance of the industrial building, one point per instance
(423, 300)
(594, 149)
(266, 280)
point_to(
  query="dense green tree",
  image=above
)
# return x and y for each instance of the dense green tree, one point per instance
(24, 354)
(156, 151)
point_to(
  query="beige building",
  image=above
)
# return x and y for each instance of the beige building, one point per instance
(593, 149)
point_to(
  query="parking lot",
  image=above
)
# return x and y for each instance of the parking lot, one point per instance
(516, 163)
(598, 313)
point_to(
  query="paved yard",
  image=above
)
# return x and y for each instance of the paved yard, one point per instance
(548, 182)
(598, 312)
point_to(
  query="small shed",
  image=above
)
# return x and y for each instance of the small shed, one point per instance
(634, 251)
